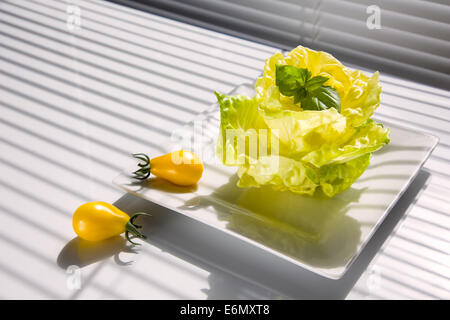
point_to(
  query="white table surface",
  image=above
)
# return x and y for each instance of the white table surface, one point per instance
(75, 103)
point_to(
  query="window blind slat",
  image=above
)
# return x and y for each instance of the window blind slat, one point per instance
(413, 32)
(420, 25)
(225, 9)
(417, 8)
(214, 18)
(354, 27)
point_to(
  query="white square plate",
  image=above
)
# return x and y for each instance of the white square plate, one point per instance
(322, 235)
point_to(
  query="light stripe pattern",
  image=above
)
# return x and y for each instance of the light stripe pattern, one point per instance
(85, 83)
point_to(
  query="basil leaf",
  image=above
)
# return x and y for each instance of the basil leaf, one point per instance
(310, 92)
(290, 79)
(315, 83)
(300, 94)
(322, 98)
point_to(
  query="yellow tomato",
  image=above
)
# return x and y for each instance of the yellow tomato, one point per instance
(96, 221)
(183, 168)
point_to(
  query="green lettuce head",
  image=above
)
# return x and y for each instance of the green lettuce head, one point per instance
(307, 129)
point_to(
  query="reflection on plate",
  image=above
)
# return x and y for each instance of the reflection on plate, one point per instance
(301, 227)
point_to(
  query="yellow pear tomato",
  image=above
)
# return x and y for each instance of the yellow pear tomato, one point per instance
(96, 221)
(183, 168)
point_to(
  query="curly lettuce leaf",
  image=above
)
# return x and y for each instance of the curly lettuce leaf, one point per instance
(368, 138)
(241, 119)
(298, 177)
(316, 150)
(336, 178)
(303, 132)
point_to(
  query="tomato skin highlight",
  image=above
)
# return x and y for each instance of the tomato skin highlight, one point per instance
(96, 221)
(183, 168)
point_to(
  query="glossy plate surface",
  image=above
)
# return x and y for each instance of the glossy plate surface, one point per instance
(321, 235)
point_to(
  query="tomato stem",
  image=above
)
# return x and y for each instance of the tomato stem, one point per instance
(132, 228)
(144, 171)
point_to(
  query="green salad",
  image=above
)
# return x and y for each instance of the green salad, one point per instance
(307, 129)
